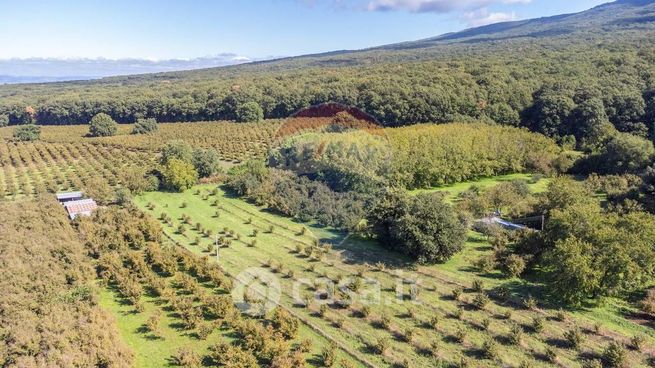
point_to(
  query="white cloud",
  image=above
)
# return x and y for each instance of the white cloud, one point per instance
(483, 17)
(435, 6)
(102, 67)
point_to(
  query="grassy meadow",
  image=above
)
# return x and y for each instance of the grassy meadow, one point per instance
(448, 323)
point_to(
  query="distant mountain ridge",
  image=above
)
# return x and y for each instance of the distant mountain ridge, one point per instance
(621, 14)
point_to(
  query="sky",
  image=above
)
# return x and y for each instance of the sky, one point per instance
(239, 30)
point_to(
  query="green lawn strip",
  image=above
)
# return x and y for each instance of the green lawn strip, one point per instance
(453, 191)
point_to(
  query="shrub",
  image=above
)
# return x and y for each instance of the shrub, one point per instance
(551, 355)
(490, 349)
(186, 357)
(560, 315)
(538, 324)
(486, 323)
(434, 348)
(637, 342)
(530, 302)
(486, 264)
(433, 322)
(592, 363)
(527, 364)
(480, 300)
(381, 345)
(285, 323)
(574, 337)
(27, 133)
(305, 346)
(408, 335)
(329, 355)
(514, 265)
(102, 125)
(614, 355)
(515, 335)
(460, 335)
(477, 286)
(204, 330)
(145, 126)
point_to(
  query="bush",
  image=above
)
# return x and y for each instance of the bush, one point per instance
(460, 335)
(249, 112)
(27, 133)
(185, 357)
(574, 337)
(285, 323)
(102, 125)
(514, 265)
(480, 300)
(4, 120)
(145, 126)
(637, 342)
(614, 355)
(538, 324)
(329, 355)
(592, 363)
(490, 349)
(381, 346)
(515, 335)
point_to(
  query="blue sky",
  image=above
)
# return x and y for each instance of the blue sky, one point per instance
(164, 29)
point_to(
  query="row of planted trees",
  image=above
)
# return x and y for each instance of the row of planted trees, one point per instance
(134, 263)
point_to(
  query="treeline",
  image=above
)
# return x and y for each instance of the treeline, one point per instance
(50, 316)
(553, 90)
(420, 156)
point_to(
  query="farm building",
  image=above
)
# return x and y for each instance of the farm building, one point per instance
(83, 207)
(76, 205)
(64, 197)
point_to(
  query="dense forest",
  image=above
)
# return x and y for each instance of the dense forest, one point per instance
(572, 72)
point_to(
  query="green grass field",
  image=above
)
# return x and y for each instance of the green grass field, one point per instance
(537, 185)
(351, 256)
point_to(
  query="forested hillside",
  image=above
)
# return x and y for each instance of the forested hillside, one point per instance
(549, 74)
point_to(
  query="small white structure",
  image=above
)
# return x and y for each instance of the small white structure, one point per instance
(82, 207)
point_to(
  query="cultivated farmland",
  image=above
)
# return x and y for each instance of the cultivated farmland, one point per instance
(463, 315)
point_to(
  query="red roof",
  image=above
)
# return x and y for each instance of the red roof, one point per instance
(81, 207)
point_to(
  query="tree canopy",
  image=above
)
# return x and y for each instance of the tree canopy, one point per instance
(102, 125)
(423, 226)
(145, 126)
